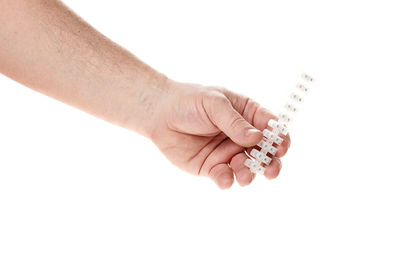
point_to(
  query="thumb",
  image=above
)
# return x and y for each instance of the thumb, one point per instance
(222, 114)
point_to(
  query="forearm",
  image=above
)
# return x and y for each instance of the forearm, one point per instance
(46, 47)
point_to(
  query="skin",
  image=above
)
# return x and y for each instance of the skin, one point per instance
(201, 129)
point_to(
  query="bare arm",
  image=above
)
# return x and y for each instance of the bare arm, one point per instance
(47, 47)
(203, 130)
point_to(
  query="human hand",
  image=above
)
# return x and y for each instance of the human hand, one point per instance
(202, 130)
(206, 130)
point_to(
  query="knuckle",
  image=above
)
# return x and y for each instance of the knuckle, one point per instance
(215, 98)
(215, 102)
(252, 105)
(220, 89)
(235, 123)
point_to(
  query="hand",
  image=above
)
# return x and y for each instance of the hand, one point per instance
(206, 130)
(203, 130)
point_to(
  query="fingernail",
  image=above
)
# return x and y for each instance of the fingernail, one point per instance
(252, 131)
(280, 163)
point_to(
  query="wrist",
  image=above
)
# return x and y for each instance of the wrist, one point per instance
(145, 101)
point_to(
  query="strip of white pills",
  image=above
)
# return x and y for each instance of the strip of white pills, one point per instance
(278, 127)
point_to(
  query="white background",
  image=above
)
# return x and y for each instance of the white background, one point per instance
(77, 191)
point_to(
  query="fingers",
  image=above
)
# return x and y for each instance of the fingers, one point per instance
(273, 169)
(260, 120)
(222, 153)
(284, 147)
(243, 174)
(222, 175)
(257, 116)
(227, 119)
(235, 115)
(216, 166)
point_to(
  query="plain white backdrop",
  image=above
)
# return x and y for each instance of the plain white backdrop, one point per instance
(77, 191)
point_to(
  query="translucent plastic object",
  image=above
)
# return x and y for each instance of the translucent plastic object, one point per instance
(274, 138)
(260, 156)
(254, 166)
(306, 77)
(296, 97)
(285, 117)
(302, 88)
(290, 107)
(281, 127)
(267, 147)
